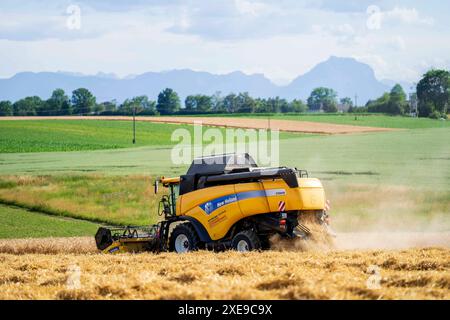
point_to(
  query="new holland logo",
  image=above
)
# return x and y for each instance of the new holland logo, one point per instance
(215, 204)
(208, 207)
(212, 205)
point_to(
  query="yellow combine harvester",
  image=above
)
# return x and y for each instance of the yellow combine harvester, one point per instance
(223, 202)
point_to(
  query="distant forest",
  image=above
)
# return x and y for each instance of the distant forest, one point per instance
(431, 100)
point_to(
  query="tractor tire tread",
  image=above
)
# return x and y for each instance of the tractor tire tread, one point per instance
(189, 231)
(251, 236)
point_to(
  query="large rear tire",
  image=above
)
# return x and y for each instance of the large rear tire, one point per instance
(183, 239)
(265, 242)
(246, 241)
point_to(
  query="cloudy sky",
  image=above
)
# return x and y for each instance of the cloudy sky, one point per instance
(281, 38)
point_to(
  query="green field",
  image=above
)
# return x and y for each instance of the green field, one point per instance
(386, 180)
(94, 197)
(416, 157)
(78, 135)
(20, 223)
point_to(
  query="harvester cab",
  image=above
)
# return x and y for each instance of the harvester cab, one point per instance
(225, 202)
(167, 204)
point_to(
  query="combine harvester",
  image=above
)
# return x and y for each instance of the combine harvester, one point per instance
(225, 202)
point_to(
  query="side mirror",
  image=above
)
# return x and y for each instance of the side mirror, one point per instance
(156, 186)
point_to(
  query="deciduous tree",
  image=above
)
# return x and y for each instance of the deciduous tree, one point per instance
(83, 101)
(6, 108)
(323, 99)
(168, 102)
(433, 93)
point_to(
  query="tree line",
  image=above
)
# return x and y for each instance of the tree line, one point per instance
(433, 99)
(83, 102)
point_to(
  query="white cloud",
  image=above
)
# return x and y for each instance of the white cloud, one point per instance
(405, 15)
(345, 29)
(251, 7)
(399, 42)
(281, 39)
(184, 21)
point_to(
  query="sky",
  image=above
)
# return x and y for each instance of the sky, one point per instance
(281, 39)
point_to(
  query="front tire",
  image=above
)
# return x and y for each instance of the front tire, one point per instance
(246, 241)
(183, 239)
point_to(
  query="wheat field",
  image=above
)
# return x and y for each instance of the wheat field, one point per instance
(71, 268)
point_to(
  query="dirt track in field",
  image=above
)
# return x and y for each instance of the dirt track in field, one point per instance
(71, 268)
(282, 125)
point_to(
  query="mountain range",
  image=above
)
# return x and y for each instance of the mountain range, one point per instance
(347, 76)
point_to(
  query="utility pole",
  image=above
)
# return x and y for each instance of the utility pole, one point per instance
(134, 124)
(356, 101)
(413, 101)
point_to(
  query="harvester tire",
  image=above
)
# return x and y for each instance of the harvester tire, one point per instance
(246, 240)
(183, 238)
(265, 242)
(103, 238)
